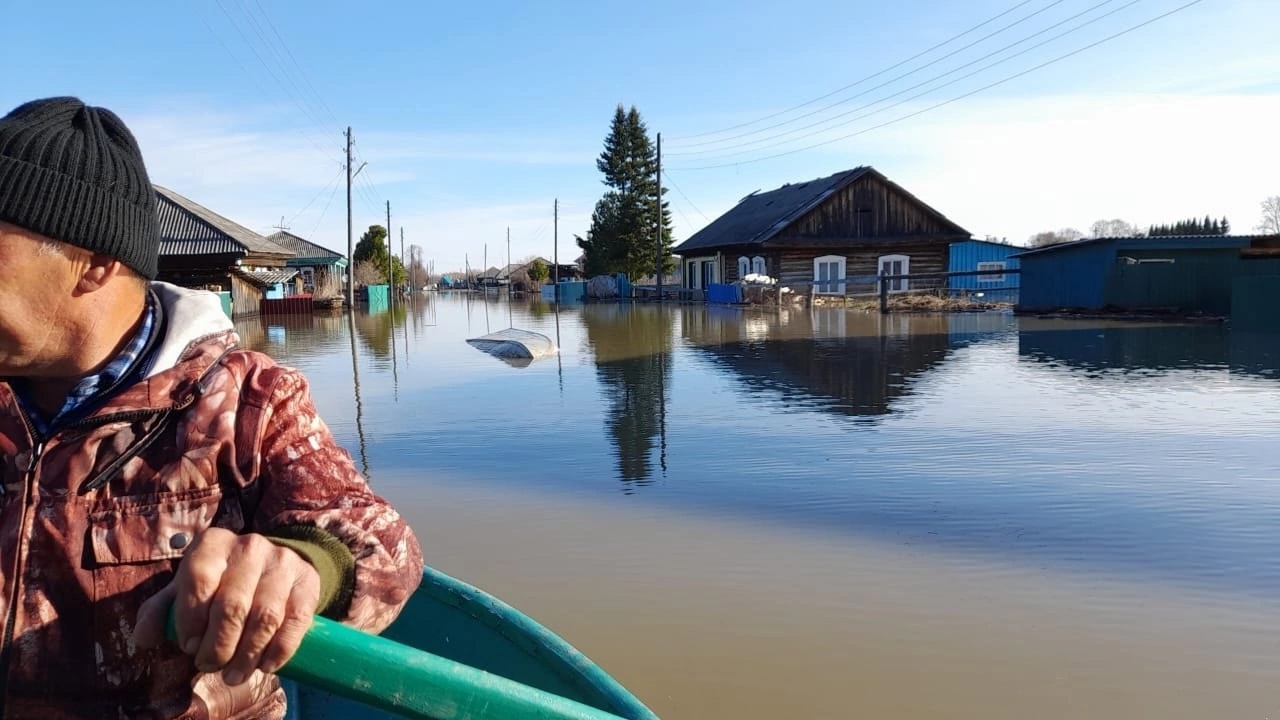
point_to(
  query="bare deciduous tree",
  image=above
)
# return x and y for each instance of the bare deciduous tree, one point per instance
(1114, 228)
(1051, 237)
(367, 273)
(1270, 216)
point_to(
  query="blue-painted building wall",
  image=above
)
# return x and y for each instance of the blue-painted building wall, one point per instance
(1084, 274)
(1073, 277)
(997, 287)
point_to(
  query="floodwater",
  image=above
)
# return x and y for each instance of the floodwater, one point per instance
(827, 514)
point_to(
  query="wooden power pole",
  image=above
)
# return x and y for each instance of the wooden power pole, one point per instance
(391, 280)
(351, 253)
(658, 268)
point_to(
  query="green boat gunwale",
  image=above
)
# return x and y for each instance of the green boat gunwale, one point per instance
(583, 681)
(600, 689)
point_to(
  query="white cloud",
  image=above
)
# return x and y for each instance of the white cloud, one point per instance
(1003, 166)
(1011, 168)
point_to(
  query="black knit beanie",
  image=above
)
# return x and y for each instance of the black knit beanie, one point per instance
(74, 173)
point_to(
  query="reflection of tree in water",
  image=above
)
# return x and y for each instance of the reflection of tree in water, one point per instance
(854, 365)
(632, 348)
(376, 331)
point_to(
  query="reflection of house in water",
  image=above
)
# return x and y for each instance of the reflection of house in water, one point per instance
(632, 348)
(851, 363)
(283, 336)
(1146, 348)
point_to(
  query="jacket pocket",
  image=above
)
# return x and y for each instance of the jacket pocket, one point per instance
(147, 528)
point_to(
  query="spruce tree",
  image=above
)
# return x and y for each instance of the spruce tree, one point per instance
(1226, 226)
(624, 226)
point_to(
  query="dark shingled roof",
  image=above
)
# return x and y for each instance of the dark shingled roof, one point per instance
(760, 216)
(302, 248)
(188, 228)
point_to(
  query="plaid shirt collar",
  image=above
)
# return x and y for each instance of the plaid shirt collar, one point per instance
(131, 363)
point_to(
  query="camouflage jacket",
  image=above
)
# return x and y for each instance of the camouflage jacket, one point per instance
(93, 521)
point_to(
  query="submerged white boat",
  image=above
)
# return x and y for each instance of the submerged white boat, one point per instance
(517, 348)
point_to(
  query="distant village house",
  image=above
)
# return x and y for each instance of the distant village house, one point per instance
(836, 234)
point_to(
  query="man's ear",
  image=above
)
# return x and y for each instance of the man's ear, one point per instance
(100, 270)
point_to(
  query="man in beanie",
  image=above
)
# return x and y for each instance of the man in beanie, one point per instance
(149, 462)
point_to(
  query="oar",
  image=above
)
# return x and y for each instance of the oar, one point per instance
(415, 684)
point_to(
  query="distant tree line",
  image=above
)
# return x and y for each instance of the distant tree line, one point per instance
(1193, 226)
(1122, 228)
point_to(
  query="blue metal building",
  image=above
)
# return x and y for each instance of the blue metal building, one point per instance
(1188, 272)
(999, 286)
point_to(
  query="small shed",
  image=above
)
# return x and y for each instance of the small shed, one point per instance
(980, 255)
(1185, 273)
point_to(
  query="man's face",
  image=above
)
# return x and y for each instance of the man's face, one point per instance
(36, 285)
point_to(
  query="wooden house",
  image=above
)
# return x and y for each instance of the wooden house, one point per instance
(202, 249)
(320, 269)
(835, 233)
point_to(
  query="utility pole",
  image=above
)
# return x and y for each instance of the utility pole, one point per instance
(351, 253)
(508, 261)
(402, 262)
(555, 234)
(658, 268)
(391, 281)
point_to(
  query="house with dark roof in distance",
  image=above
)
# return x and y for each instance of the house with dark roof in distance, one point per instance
(322, 270)
(202, 249)
(835, 234)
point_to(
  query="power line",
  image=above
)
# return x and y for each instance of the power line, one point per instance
(332, 195)
(909, 73)
(333, 182)
(671, 180)
(873, 76)
(301, 73)
(250, 73)
(266, 65)
(918, 85)
(957, 98)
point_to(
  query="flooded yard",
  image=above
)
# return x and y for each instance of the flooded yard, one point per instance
(833, 514)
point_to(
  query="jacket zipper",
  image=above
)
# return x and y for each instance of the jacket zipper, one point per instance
(11, 613)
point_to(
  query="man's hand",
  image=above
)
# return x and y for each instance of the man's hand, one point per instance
(241, 603)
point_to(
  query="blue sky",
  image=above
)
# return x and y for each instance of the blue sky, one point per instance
(473, 117)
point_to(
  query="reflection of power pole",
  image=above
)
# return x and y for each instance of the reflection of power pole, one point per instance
(355, 377)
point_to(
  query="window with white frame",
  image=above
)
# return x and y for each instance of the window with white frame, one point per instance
(744, 267)
(997, 272)
(896, 265)
(828, 275)
(758, 265)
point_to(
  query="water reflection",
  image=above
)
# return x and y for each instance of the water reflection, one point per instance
(1148, 350)
(377, 330)
(855, 364)
(632, 349)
